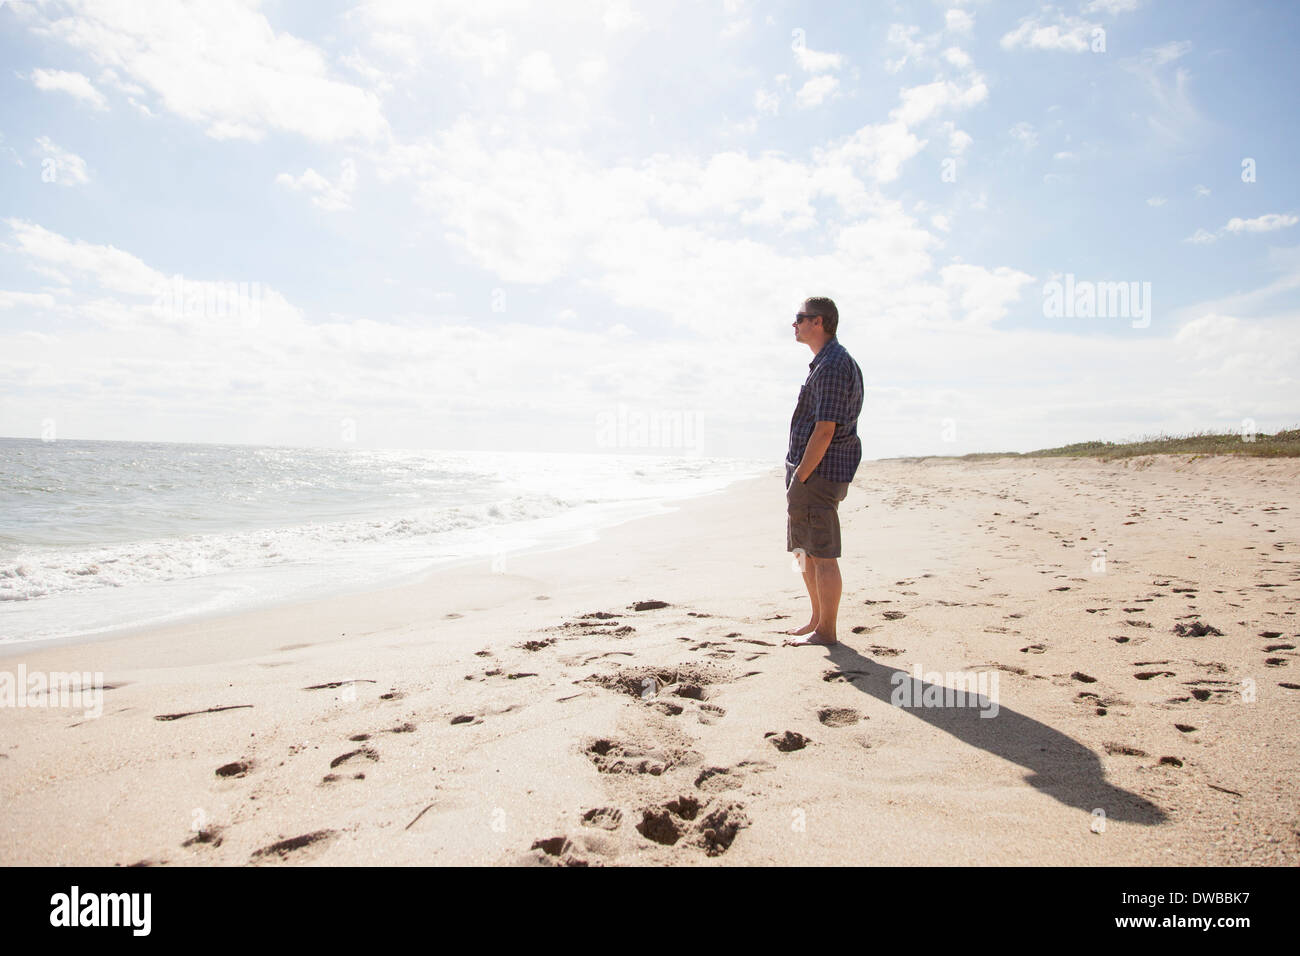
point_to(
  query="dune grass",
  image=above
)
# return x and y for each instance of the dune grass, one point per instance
(1283, 444)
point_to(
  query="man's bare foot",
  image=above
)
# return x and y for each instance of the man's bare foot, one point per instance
(812, 639)
(800, 631)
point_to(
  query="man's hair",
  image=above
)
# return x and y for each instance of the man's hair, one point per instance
(820, 305)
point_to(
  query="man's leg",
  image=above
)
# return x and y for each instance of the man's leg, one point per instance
(810, 582)
(827, 585)
(829, 588)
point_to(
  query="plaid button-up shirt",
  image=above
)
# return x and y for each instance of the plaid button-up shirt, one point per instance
(832, 393)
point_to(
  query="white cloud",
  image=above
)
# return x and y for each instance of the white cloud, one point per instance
(60, 166)
(904, 38)
(767, 102)
(34, 300)
(1200, 191)
(1166, 52)
(242, 80)
(920, 103)
(74, 84)
(108, 267)
(592, 70)
(1267, 223)
(620, 16)
(10, 152)
(983, 295)
(958, 21)
(111, 78)
(816, 90)
(536, 74)
(330, 196)
(1025, 134)
(1156, 201)
(1067, 33)
(734, 28)
(958, 140)
(957, 57)
(1270, 222)
(816, 62)
(1110, 6)
(1172, 116)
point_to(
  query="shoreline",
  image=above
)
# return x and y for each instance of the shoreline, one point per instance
(559, 534)
(538, 717)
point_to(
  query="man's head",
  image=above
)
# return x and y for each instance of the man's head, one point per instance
(816, 322)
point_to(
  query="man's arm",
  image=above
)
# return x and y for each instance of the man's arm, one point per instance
(818, 442)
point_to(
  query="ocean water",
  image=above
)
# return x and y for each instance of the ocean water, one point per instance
(96, 536)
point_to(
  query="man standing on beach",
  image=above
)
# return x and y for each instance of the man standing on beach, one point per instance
(822, 459)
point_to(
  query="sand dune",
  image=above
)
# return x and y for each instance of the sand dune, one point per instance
(629, 701)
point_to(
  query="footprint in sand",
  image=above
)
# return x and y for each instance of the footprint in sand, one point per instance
(334, 778)
(717, 779)
(714, 832)
(879, 650)
(651, 605)
(687, 680)
(406, 728)
(294, 845)
(615, 756)
(838, 716)
(562, 851)
(1122, 750)
(787, 741)
(605, 818)
(663, 824)
(841, 677)
(207, 836)
(361, 753)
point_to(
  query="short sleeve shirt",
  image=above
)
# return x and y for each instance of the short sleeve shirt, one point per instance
(832, 393)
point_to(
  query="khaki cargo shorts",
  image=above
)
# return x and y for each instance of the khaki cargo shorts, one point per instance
(812, 509)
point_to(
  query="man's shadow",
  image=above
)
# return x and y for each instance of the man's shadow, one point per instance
(1058, 765)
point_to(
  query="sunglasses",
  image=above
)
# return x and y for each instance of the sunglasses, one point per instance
(800, 316)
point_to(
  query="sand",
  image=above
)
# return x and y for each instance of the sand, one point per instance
(528, 713)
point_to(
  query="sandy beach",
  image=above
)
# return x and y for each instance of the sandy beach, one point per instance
(529, 712)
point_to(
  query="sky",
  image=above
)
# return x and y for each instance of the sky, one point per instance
(586, 225)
